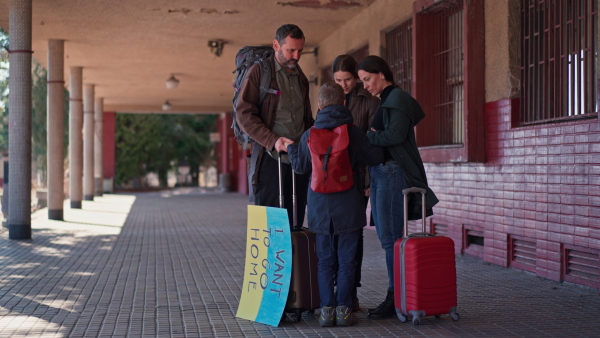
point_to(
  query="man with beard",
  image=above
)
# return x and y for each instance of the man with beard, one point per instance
(282, 117)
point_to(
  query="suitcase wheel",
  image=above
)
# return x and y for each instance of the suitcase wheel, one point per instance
(291, 317)
(455, 316)
(402, 317)
(294, 317)
(416, 316)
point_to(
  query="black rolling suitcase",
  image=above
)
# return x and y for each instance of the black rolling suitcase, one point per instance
(304, 284)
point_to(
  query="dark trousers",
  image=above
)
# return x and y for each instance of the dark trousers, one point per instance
(359, 258)
(337, 265)
(266, 190)
(359, 254)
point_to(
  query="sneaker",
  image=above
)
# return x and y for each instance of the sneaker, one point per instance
(344, 316)
(327, 317)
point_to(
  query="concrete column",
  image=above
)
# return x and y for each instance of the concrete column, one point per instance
(76, 137)
(108, 155)
(88, 142)
(56, 129)
(98, 147)
(19, 119)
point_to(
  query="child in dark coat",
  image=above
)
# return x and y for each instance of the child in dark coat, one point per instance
(336, 218)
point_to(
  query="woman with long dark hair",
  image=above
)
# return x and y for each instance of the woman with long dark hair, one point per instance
(362, 105)
(393, 129)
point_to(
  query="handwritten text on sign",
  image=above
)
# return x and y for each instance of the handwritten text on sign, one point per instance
(268, 265)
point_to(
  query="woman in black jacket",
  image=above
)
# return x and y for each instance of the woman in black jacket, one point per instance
(393, 129)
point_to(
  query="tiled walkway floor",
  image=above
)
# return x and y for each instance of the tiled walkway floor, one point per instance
(170, 265)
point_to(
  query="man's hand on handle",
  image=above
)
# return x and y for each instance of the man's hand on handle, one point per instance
(282, 143)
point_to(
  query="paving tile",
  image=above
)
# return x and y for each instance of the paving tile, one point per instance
(170, 265)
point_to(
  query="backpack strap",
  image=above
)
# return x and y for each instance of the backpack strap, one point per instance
(265, 80)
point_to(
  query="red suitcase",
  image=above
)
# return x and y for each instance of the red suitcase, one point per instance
(424, 272)
(304, 284)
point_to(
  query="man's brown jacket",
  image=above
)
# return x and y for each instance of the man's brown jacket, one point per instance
(257, 121)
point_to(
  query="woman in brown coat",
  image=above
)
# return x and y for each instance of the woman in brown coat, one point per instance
(362, 105)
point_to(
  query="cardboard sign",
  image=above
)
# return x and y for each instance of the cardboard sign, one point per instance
(268, 266)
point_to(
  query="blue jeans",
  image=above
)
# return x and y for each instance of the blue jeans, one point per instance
(344, 260)
(387, 205)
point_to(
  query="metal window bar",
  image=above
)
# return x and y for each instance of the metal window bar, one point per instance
(360, 53)
(326, 74)
(559, 61)
(399, 54)
(449, 68)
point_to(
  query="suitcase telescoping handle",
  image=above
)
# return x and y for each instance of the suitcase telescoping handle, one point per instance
(405, 192)
(281, 204)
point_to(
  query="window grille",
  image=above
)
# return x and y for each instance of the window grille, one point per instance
(450, 59)
(558, 61)
(440, 230)
(523, 254)
(473, 241)
(399, 54)
(326, 74)
(449, 83)
(360, 53)
(582, 266)
(447, 76)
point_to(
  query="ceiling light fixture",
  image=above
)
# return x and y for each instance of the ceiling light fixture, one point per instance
(166, 106)
(172, 82)
(216, 46)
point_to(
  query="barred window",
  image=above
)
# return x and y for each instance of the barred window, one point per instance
(445, 77)
(360, 53)
(398, 43)
(559, 75)
(450, 79)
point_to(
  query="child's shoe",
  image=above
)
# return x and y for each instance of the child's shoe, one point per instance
(344, 316)
(327, 316)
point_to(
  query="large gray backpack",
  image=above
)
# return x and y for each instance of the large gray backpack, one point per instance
(244, 59)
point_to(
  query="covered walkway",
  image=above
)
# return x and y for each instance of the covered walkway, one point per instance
(170, 264)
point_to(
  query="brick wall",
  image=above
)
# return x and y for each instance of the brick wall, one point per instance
(537, 195)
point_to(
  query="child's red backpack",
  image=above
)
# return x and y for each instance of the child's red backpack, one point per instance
(331, 166)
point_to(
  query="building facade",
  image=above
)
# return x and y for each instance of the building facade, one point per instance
(511, 139)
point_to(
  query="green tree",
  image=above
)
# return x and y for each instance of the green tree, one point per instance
(39, 133)
(3, 92)
(158, 142)
(39, 99)
(194, 150)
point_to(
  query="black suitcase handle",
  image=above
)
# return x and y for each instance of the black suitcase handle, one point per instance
(281, 204)
(405, 192)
